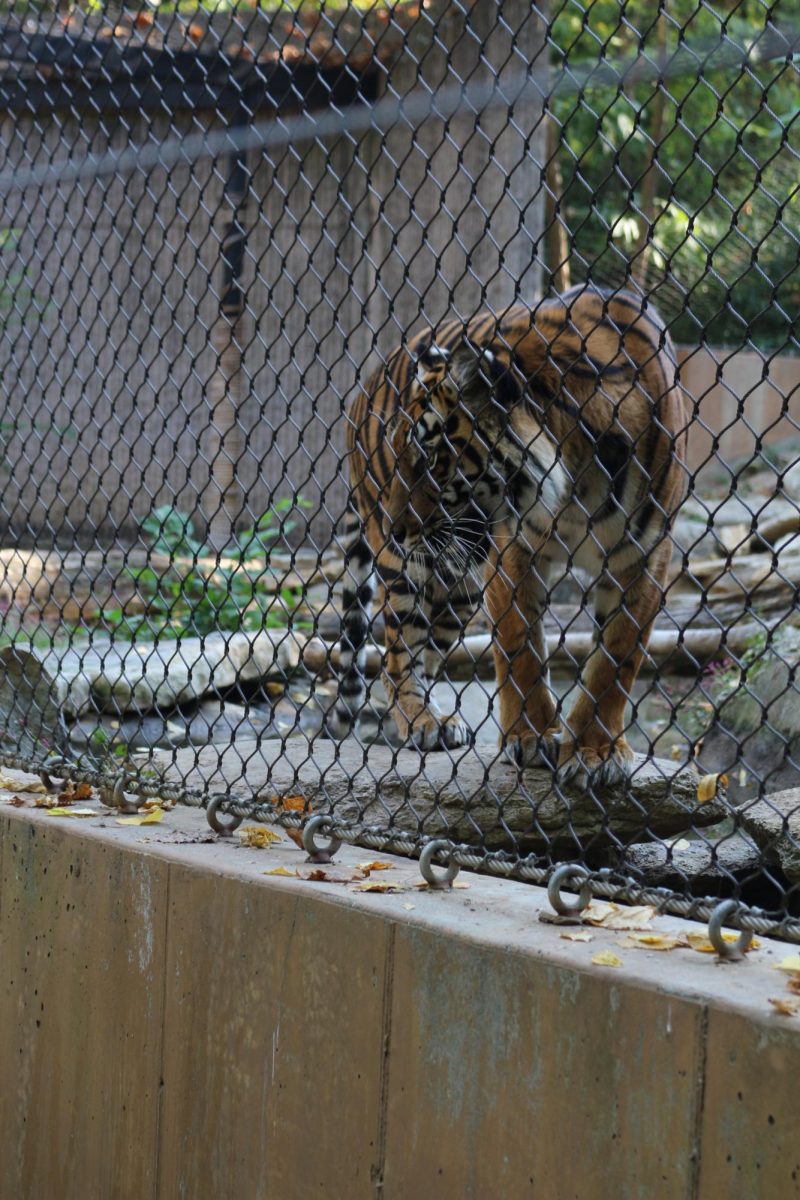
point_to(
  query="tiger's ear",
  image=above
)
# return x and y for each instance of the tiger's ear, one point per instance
(487, 387)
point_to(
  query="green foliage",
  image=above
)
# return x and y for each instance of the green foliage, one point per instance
(234, 591)
(717, 146)
(19, 304)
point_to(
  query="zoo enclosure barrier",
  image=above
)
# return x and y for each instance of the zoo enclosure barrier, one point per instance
(214, 226)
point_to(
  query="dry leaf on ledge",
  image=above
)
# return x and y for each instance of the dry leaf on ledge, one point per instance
(73, 812)
(152, 818)
(791, 963)
(786, 1008)
(606, 958)
(653, 941)
(14, 785)
(75, 792)
(618, 916)
(258, 837)
(699, 941)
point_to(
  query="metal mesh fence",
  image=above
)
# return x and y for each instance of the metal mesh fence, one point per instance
(400, 415)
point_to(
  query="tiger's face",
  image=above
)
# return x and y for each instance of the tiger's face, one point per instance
(442, 499)
(469, 472)
(435, 510)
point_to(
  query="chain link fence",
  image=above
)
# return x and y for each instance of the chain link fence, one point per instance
(400, 431)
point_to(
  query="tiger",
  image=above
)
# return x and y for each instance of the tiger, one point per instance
(498, 449)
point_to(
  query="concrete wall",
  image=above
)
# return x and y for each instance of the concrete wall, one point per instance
(106, 364)
(740, 400)
(175, 1023)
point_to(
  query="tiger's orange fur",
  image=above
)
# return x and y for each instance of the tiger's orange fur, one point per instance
(514, 442)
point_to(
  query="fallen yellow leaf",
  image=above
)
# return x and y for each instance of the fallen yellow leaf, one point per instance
(786, 1008)
(367, 867)
(606, 958)
(258, 837)
(370, 886)
(151, 818)
(790, 963)
(14, 785)
(700, 942)
(73, 812)
(281, 871)
(654, 941)
(578, 935)
(708, 785)
(794, 984)
(618, 916)
(46, 801)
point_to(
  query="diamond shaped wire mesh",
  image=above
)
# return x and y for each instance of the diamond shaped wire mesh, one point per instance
(400, 415)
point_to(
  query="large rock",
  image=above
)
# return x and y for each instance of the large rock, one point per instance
(705, 868)
(469, 796)
(757, 720)
(774, 824)
(148, 677)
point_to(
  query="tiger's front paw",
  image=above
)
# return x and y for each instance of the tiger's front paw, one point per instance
(429, 731)
(597, 766)
(532, 749)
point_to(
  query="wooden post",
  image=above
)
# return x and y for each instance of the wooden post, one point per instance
(224, 498)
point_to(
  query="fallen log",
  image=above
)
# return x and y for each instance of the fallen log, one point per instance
(681, 648)
(770, 532)
(468, 796)
(744, 570)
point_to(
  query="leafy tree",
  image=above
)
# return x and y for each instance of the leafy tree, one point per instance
(683, 173)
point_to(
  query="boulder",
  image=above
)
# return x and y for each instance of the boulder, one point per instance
(757, 719)
(703, 867)
(774, 825)
(150, 676)
(469, 796)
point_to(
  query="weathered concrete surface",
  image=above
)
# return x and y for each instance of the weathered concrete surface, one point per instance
(750, 1139)
(211, 1031)
(276, 1031)
(82, 955)
(470, 795)
(566, 1047)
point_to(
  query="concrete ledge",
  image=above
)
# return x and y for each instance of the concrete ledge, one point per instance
(175, 1022)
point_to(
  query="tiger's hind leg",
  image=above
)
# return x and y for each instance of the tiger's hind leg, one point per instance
(594, 748)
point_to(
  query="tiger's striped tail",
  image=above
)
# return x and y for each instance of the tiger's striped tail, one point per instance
(358, 591)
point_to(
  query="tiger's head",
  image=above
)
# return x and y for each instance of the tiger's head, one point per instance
(469, 457)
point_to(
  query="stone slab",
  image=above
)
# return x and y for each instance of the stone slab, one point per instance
(774, 825)
(471, 796)
(148, 677)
